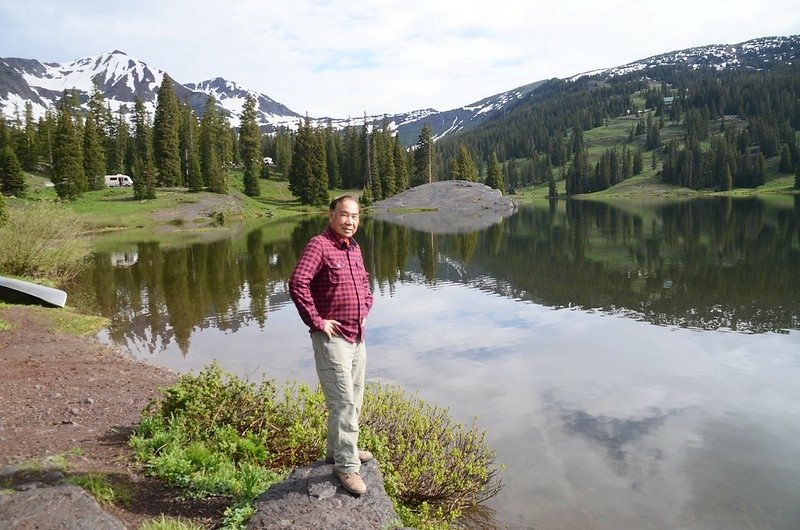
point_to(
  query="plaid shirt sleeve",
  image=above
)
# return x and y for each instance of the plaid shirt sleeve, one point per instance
(308, 265)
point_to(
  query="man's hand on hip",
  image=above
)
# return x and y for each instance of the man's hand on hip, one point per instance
(330, 328)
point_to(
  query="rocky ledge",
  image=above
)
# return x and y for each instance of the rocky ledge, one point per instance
(446, 207)
(310, 498)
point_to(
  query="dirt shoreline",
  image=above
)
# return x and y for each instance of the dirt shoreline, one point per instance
(76, 397)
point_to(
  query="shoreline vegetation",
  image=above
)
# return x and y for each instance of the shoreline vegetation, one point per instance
(228, 462)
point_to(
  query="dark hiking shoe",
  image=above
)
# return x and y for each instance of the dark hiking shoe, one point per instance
(364, 456)
(351, 482)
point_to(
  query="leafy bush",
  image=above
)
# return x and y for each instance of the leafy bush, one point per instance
(431, 464)
(43, 240)
(213, 433)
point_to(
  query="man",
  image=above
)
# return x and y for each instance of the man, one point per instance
(330, 288)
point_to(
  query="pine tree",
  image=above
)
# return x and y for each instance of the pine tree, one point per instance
(29, 148)
(284, 146)
(785, 165)
(467, 170)
(307, 177)
(333, 156)
(638, 162)
(727, 179)
(374, 170)
(166, 135)
(250, 146)
(210, 158)
(94, 155)
(67, 172)
(144, 185)
(12, 179)
(388, 177)
(494, 175)
(760, 171)
(352, 170)
(797, 177)
(551, 186)
(400, 166)
(424, 155)
(190, 157)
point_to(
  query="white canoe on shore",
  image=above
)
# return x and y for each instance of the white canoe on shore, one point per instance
(22, 292)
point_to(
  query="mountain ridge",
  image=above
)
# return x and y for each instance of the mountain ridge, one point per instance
(122, 77)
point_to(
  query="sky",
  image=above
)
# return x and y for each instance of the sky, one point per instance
(341, 58)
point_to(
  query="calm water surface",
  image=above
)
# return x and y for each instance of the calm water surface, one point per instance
(635, 367)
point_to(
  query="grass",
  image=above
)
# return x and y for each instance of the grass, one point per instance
(79, 324)
(115, 209)
(103, 490)
(169, 523)
(66, 319)
(42, 241)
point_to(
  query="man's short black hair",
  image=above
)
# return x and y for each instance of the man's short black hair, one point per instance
(335, 202)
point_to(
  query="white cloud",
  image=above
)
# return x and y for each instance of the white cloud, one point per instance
(340, 58)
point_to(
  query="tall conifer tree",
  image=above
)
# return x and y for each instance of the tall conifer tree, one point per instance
(494, 176)
(400, 166)
(210, 160)
(12, 180)
(190, 156)
(424, 155)
(94, 156)
(144, 186)
(166, 135)
(250, 145)
(67, 174)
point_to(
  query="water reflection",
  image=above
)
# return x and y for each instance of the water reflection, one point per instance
(542, 326)
(709, 264)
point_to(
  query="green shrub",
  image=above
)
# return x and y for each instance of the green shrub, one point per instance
(213, 433)
(431, 464)
(43, 240)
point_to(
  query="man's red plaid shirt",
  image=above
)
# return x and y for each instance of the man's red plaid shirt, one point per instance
(330, 282)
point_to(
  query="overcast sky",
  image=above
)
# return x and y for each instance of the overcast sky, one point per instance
(342, 58)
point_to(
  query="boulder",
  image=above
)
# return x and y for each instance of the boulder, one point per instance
(446, 207)
(44, 500)
(313, 498)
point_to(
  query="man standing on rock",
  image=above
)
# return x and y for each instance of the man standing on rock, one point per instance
(330, 288)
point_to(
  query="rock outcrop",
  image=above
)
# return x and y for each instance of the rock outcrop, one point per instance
(312, 498)
(446, 207)
(44, 500)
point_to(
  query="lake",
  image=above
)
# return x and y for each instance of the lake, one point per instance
(635, 365)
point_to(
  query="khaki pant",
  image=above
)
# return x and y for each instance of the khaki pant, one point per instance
(341, 367)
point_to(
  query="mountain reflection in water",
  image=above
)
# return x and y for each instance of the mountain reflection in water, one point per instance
(634, 366)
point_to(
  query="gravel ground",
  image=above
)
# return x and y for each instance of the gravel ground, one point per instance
(63, 394)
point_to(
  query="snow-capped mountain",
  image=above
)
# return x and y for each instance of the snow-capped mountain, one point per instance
(121, 77)
(231, 97)
(754, 54)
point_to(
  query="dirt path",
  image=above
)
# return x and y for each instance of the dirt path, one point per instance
(62, 394)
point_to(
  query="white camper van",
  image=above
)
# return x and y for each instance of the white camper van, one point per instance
(118, 181)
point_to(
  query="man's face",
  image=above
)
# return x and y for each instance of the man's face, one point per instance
(344, 219)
